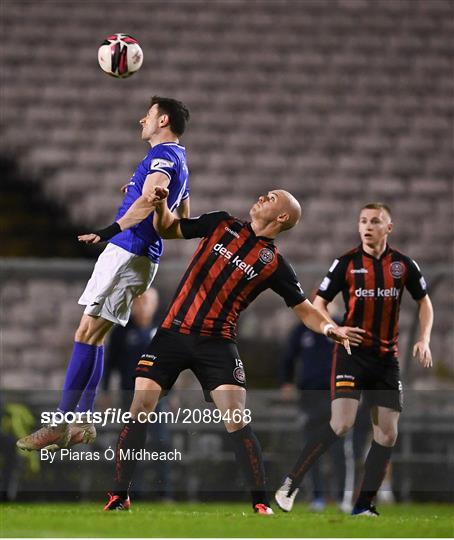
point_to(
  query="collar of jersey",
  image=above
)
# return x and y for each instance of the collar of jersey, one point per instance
(265, 238)
(386, 252)
(174, 144)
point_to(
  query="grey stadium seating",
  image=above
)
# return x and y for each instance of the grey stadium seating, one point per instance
(340, 102)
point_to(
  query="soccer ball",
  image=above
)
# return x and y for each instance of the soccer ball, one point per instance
(120, 55)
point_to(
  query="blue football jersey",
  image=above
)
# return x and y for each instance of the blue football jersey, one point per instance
(169, 159)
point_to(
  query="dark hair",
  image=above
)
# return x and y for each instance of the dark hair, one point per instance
(176, 110)
(378, 206)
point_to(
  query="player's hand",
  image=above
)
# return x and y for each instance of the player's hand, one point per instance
(339, 336)
(91, 238)
(160, 194)
(354, 334)
(288, 392)
(157, 197)
(421, 350)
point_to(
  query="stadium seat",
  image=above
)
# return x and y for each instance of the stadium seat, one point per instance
(340, 103)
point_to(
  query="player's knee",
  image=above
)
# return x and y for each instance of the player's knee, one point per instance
(92, 330)
(143, 403)
(386, 438)
(234, 419)
(146, 396)
(84, 333)
(234, 426)
(341, 426)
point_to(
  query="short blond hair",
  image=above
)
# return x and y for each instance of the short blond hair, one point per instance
(378, 206)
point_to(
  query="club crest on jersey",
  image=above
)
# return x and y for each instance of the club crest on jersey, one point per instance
(266, 255)
(239, 375)
(397, 269)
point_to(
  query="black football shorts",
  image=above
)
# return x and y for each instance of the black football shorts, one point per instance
(378, 379)
(213, 360)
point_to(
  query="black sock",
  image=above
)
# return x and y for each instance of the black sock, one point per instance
(374, 471)
(316, 445)
(249, 457)
(132, 437)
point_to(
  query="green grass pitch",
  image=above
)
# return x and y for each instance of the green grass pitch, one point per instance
(219, 520)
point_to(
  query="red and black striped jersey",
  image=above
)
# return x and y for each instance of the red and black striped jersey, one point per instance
(372, 290)
(229, 269)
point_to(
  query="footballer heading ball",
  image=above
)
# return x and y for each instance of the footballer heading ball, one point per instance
(120, 55)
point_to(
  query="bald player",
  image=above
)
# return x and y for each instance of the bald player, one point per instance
(235, 261)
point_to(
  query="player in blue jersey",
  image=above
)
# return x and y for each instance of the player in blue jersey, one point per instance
(124, 270)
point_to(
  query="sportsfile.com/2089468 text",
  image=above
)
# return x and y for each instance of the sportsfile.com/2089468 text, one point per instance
(180, 415)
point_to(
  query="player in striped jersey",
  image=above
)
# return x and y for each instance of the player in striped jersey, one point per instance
(235, 261)
(371, 279)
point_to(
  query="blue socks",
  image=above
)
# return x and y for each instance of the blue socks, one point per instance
(87, 400)
(84, 370)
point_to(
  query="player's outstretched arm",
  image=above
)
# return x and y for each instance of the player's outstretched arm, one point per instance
(165, 223)
(318, 322)
(354, 334)
(421, 349)
(144, 205)
(139, 210)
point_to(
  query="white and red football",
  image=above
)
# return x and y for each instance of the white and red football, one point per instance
(120, 55)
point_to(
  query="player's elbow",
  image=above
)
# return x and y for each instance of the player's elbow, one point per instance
(168, 229)
(165, 234)
(426, 304)
(160, 225)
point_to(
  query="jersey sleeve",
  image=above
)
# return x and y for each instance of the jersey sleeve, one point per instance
(186, 193)
(334, 280)
(203, 225)
(162, 161)
(416, 284)
(285, 283)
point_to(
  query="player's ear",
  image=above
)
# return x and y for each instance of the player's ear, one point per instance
(283, 218)
(164, 120)
(390, 227)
